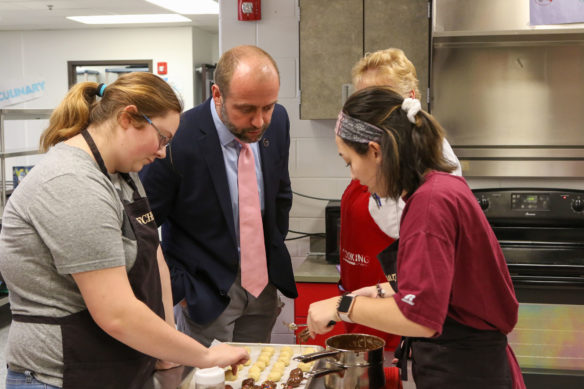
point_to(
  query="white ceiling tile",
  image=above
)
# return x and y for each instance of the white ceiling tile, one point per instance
(35, 14)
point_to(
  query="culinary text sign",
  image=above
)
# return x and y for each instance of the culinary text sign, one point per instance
(18, 93)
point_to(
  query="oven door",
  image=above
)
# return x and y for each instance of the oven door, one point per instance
(548, 339)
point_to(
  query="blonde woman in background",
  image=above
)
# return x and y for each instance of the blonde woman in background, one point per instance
(391, 67)
(370, 223)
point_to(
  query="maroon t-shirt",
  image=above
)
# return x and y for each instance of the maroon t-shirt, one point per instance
(450, 262)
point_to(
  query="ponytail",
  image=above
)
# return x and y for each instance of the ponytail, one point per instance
(71, 116)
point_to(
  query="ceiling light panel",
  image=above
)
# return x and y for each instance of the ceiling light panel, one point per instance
(130, 19)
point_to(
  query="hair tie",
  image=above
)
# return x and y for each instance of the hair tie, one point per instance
(100, 89)
(411, 107)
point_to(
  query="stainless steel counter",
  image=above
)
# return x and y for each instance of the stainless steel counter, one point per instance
(315, 268)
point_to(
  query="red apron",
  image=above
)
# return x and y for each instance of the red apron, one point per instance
(361, 241)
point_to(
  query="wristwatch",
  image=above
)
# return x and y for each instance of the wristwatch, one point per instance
(344, 308)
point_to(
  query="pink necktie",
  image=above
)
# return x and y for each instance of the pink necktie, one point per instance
(254, 270)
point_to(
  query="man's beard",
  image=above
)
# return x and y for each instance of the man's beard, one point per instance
(241, 134)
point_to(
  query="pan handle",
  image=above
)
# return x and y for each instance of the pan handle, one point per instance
(326, 371)
(317, 355)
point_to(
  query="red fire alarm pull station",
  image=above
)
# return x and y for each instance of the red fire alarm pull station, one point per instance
(249, 10)
(161, 67)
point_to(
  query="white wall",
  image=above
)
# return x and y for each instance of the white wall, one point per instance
(45, 54)
(34, 55)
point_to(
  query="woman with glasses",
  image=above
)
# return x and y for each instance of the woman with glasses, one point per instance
(89, 289)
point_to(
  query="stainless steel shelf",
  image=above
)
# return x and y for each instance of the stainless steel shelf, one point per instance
(25, 114)
(19, 153)
(15, 114)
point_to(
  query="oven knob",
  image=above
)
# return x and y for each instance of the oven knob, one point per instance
(484, 203)
(578, 205)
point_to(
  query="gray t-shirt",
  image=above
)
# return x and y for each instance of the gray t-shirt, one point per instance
(66, 217)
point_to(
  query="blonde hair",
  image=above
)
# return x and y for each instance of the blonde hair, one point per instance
(149, 93)
(392, 68)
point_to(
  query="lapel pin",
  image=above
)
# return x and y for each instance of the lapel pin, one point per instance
(266, 142)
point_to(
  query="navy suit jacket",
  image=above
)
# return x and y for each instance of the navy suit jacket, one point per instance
(189, 195)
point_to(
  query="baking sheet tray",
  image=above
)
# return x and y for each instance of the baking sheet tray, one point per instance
(254, 352)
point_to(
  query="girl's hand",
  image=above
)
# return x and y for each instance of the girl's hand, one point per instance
(224, 355)
(320, 314)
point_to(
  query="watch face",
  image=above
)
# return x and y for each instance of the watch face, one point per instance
(345, 303)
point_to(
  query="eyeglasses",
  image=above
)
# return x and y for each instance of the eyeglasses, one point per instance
(163, 140)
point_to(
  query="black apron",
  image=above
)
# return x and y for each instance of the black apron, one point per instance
(92, 358)
(461, 357)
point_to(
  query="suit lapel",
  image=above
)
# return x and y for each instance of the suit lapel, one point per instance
(267, 164)
(213, 153)
(266, 160)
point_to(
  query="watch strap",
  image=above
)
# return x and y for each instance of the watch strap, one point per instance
(344, 309)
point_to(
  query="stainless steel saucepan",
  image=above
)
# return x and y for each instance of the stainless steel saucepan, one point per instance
(352, 361)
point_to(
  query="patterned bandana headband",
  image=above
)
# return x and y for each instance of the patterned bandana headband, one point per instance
(355, 130)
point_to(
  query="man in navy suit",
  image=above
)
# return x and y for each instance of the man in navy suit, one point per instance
(193, 193)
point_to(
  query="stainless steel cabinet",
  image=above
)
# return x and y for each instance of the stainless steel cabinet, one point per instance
(509, 94)
(334, 35)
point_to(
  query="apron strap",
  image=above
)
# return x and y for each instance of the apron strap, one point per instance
(136, 194)
(402, 353)
(37, 319)
(99, 160)
(95, 151)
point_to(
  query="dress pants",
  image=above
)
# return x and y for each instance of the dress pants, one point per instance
(246, 319)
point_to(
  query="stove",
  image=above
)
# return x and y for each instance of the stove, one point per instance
(541, 233)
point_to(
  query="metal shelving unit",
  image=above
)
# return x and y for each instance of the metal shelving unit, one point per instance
(15, 114)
